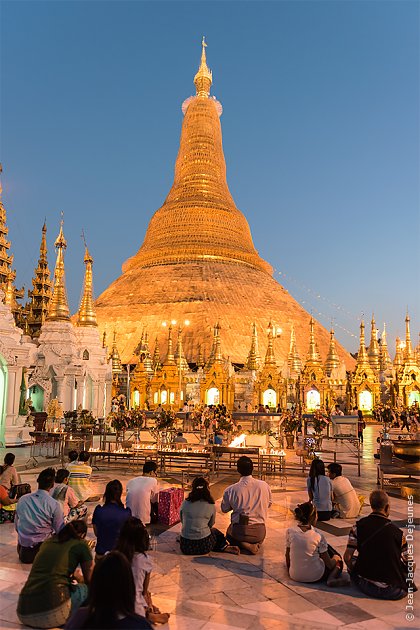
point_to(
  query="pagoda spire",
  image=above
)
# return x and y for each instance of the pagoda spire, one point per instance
(386, 362)
(362, 357)
(408, 350)
(58, 309)
(218, 358)
(42, 289)
(313, 357)
(253, 361)
(148, 362)
(270, 359)
(86, 314)
(374, 353)
(115, 356)
(7, 273)
(332, 361)
(293, 358)
(399, 358)
(180, 357)
(156, 357)
(203, 79)
(170, 359)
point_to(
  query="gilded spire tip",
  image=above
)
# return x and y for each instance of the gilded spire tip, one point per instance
(203, 79)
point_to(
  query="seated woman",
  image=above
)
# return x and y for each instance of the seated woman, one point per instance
(8, 473)
(51, 593)
(320, 490)
(79, 480)
(73, 509)
(309, 558)
(108, 519)
(112, 597)
(134, 542)
(198, 515)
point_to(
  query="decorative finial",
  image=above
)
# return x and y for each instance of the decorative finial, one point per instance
(58, 308)
(86, 314)
(203, 79)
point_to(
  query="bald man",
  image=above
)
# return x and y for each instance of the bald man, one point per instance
(380, 568)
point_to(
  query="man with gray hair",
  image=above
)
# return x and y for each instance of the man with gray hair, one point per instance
(380, 568)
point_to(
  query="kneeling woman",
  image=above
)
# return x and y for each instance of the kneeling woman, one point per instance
(51, 593)
(309, 558)
(198, 515)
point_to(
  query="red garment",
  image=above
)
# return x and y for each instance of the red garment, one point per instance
(3, 495)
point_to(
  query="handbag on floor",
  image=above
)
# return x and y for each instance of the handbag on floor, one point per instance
(19, 490)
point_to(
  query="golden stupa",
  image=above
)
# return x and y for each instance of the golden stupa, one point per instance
(198, 262)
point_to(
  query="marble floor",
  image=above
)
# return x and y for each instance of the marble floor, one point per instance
(220, 591)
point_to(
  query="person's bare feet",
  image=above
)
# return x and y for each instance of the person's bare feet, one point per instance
(157, 617)
(232, 549)
(251, 547)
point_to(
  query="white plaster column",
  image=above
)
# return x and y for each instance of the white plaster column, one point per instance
(12, 404)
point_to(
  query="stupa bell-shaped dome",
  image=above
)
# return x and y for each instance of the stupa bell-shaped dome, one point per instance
(198, 261)
(199, 219)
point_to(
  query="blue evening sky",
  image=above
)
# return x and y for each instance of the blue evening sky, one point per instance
(320, 128)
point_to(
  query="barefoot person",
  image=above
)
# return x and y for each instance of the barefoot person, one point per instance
(134, 543)
(309, 558)
(248, 500)
(198, 515)
(380, 567)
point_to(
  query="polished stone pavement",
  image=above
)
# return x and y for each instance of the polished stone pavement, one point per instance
(220, 591)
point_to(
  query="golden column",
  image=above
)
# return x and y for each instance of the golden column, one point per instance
(58, 309)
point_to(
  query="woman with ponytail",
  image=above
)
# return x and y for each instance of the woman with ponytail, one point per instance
(198, 515)
(51, 592)
(309, 558)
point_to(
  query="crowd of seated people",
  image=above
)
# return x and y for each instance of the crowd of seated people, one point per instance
(69, 587)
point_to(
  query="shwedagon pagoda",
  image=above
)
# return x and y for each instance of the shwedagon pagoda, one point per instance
(196, 314)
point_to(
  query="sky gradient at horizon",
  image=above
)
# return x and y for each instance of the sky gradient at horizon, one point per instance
(320, 132)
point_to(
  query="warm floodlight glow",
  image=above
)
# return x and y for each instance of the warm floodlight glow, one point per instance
(238, 441)
(163, 323)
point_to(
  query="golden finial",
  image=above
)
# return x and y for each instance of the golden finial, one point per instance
(386, 362)
(408, 351)
(170, 359)
(218, 358)
(180, 358)
(203, 79)
(270, 359)
(58, 308)
(86, 315)
(293, 358)
(313, 354)
(374, 350)
(398, 360)
(253, 361)
(115, 356)
(332, 361)
(104, 339)
(156, 357)
(362, 357)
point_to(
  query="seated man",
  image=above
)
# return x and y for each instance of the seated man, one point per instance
(380, 568)
(73, 509)
(179, 438)
(142, 494)
(344, 495)
(79, 480)
(38, 516)
(249, 500)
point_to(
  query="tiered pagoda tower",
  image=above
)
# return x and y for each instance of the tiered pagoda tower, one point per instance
(7, 273)
(198, 261)
(41, 293)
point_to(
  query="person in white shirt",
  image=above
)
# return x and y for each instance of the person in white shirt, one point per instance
(142, 494)
(344, 495)
(309, 558)
(249, 500)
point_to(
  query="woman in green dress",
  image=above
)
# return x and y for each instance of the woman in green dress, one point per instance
(51, 592)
